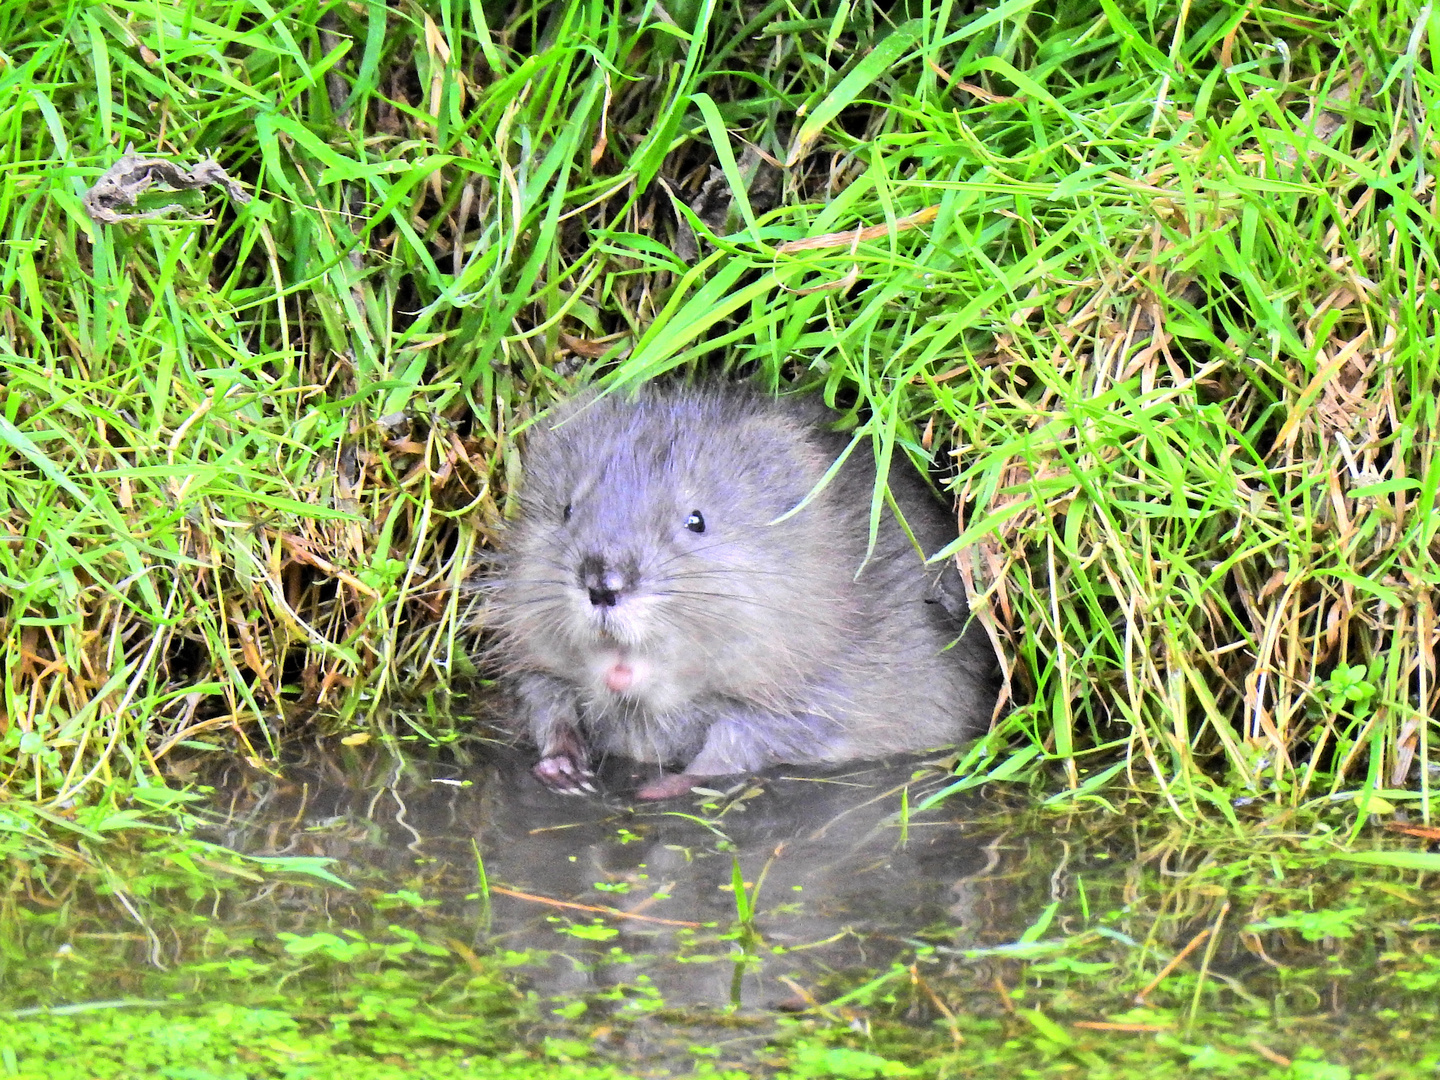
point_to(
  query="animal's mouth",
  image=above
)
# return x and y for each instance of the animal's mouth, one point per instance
(619, 676)
(609, 633)
(619, 671)
(617, 627)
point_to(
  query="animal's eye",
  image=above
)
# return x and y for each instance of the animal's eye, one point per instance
(569, 509)
(695, 522)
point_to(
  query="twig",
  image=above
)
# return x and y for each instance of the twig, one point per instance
(1172, 965)
(591, 907)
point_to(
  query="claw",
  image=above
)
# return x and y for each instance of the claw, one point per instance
(563, 774)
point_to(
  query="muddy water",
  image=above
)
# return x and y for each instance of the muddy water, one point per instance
(731, 921)
(606, 895)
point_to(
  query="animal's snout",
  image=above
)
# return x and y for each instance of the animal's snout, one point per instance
(604, 583)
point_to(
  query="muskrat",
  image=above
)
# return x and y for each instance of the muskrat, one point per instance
(668, 593)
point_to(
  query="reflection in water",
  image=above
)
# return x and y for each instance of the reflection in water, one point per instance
(839, 879)
(624, 921)
(835, 880)
(862, 915)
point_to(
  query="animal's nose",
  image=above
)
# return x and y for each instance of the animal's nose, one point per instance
(604, 584)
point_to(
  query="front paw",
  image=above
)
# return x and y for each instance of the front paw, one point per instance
(564, 774)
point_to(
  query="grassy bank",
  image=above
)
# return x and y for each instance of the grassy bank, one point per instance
(1155, 290)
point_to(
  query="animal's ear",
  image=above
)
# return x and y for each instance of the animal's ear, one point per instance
(547, 440)
(811, 451)
(562, 413)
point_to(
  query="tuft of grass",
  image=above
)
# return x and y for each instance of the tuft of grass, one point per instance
(1153, 281)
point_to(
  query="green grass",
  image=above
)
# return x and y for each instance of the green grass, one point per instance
(1153, 282)
(224, 1042)
(230, 1043)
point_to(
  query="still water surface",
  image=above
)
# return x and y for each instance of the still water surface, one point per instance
(722, 921)
(838, 875)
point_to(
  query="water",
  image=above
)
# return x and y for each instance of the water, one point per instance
(622, 925)
(839, 877)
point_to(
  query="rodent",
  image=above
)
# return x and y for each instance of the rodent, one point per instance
(661, 597)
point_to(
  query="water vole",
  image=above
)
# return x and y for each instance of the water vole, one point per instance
(663, 599)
